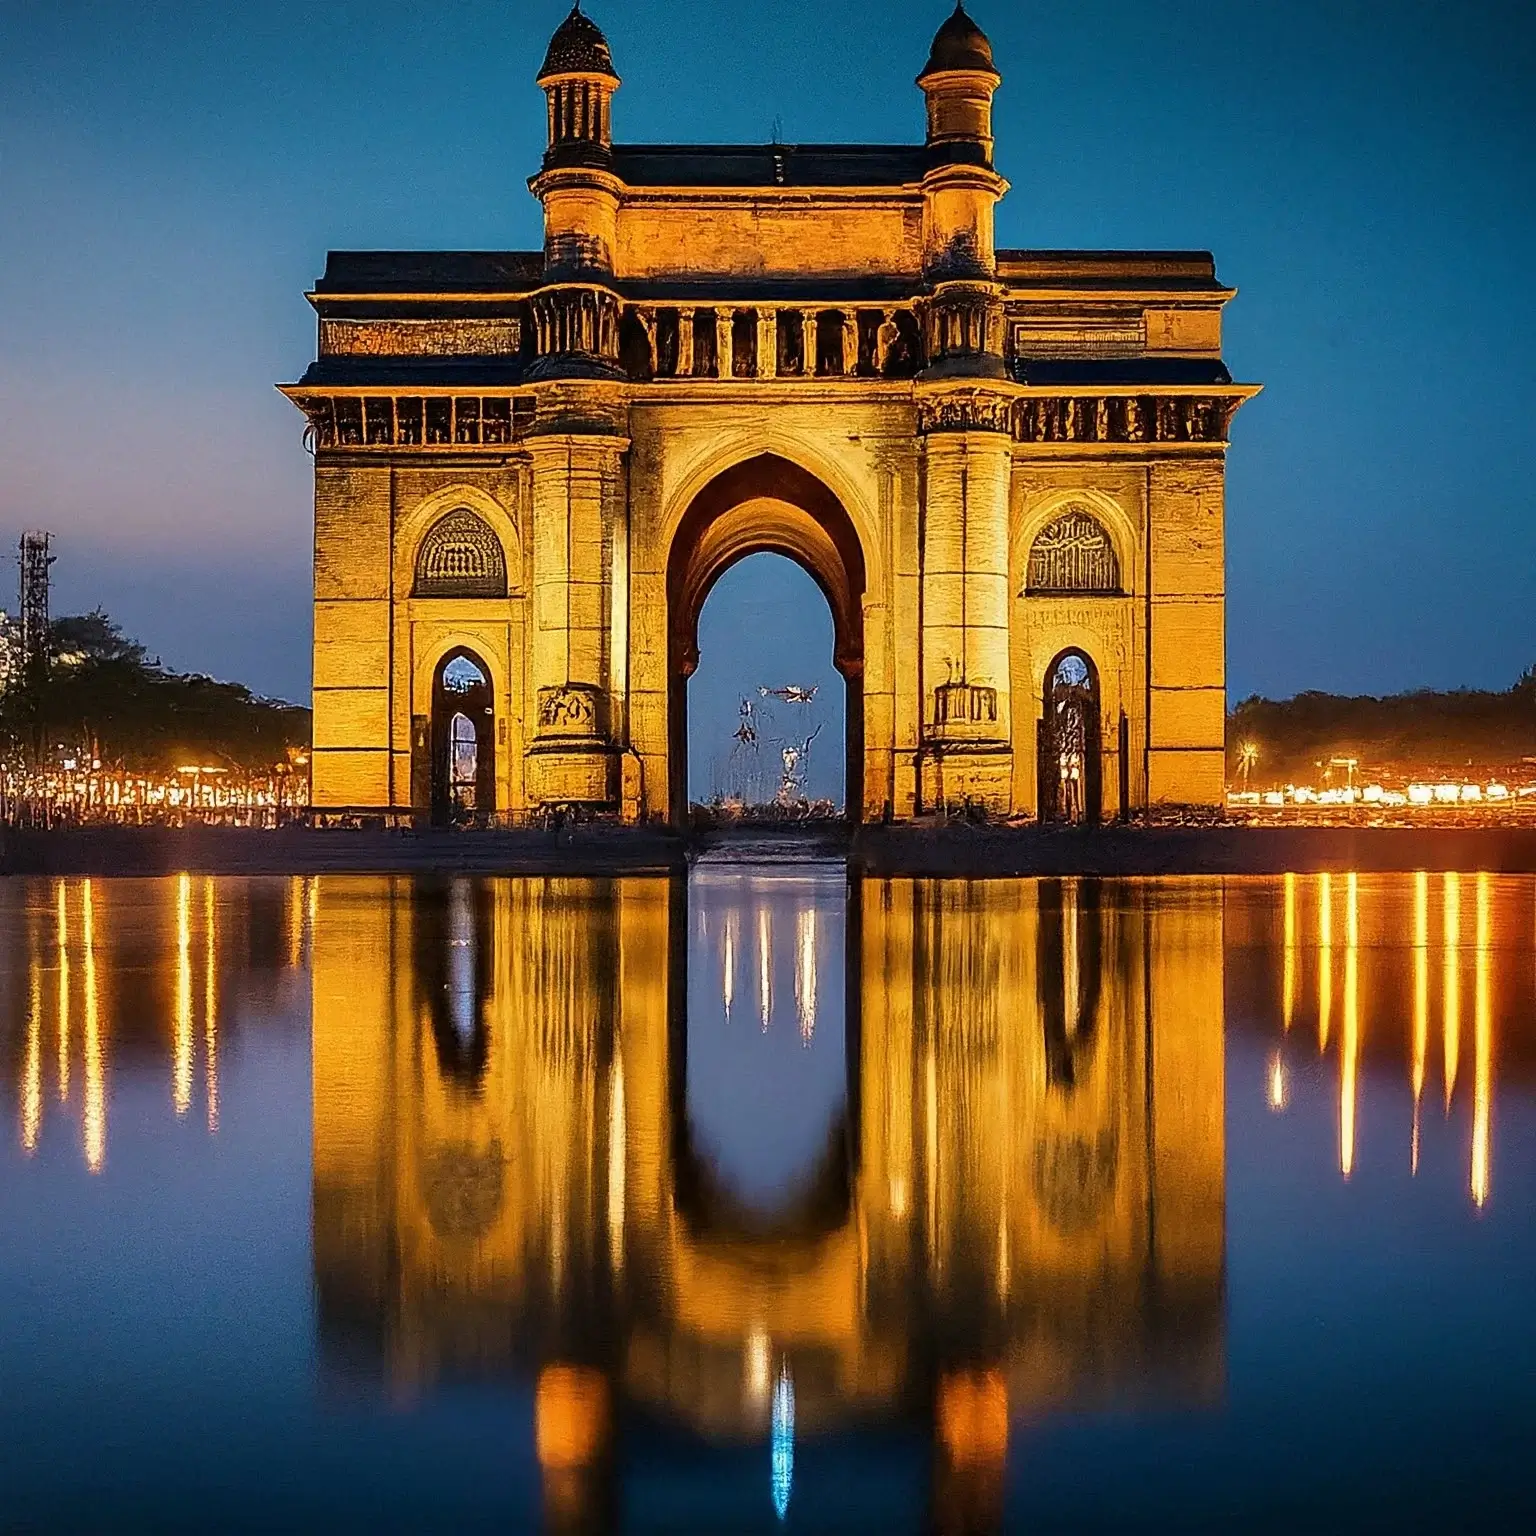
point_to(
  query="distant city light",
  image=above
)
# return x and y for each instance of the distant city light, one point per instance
(1418, 795)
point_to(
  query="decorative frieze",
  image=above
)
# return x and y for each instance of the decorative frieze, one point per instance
(965, 411)
(1124, 419)
(1077, 335)
(416, 421)
(421, 338)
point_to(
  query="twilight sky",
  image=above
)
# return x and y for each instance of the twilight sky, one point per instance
(172, 174)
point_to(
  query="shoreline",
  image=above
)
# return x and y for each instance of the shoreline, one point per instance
(953, 851)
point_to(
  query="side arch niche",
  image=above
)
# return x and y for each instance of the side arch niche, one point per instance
(1073, 555)
(461, 557)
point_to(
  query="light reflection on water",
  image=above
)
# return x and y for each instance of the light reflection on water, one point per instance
(762, 1197)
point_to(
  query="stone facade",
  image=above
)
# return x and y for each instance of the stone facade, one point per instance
(1004, 468)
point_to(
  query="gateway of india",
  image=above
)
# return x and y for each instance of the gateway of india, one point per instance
(1003, 468)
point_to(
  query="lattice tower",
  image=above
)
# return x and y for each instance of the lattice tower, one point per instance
(35, 562)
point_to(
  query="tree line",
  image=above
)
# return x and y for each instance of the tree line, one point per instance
(99, 695)
(1414, 732)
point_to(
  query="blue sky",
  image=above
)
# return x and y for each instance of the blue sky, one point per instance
(172, 174)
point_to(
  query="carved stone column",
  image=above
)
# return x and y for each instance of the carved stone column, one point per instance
(647, 318)
(767, 343)
(724, 318)
(685, 343)
(967, 450)
(963, 331)
(850, 342)
(576, 331)
(578, 501)
(808, 343)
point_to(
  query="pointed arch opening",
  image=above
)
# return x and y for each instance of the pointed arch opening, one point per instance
(765, 505)
(1069, 749)
(456, 759)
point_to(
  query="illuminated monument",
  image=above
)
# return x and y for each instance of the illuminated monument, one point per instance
(1004, 469)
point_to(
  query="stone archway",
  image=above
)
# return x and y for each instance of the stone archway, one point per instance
(1070, 750)
(456, 761)
(764, 505)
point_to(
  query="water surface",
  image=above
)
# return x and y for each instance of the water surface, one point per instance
(757, 1200)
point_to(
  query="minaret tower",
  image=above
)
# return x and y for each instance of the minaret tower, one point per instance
(966, 443)
(578, 446)
(577, 185)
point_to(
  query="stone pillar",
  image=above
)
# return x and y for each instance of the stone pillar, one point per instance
(647, 318)
(850, 342)
(685, 343)
(808, 342)
(724, 319)
(965, 652)
(578, 501)
(767, 343)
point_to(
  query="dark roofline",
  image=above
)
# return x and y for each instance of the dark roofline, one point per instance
(768, 165)
(1068, 264)
(408, 272)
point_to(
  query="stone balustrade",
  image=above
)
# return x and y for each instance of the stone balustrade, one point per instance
(767, 341)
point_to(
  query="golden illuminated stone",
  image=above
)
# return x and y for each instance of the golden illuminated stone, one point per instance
(817, 351)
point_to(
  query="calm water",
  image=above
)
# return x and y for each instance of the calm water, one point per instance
(759, 1201)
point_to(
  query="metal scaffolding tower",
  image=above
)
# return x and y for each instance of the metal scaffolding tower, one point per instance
(35, 561)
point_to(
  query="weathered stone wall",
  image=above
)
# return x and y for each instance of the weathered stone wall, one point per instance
(795, 235)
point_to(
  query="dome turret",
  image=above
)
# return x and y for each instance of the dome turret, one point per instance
(959, 44)
(578, 48)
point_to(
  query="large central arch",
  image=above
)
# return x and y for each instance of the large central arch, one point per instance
(764, 505)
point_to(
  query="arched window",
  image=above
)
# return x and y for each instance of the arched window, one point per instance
(461, 557)
(1073, 553)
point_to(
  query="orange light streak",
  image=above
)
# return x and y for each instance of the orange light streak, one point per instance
(1288, 1002)
(1420, 1002)
(1349, 1062)
(210, 1006)
(1452, 981)
(63, 930)
(1482, 1050)
(32, 1074)
(95, 1117)
(181, 1068)
(1324, 958)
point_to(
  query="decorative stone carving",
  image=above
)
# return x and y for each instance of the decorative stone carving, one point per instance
(767, 343)
(577, 324)
(887, 340)
(570, 710)
(964, 704)
(414, 421)
(1073, 554)
(724, 365)
(459, 337)
(963, 326)
(461, 557)
(1128, 419)
(966, 411)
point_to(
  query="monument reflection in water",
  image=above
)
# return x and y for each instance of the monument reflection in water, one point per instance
(773, 1160)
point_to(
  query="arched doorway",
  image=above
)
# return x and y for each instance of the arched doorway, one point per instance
(765, 505)
(462, 741)
(766, 726)
(1069, 748)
